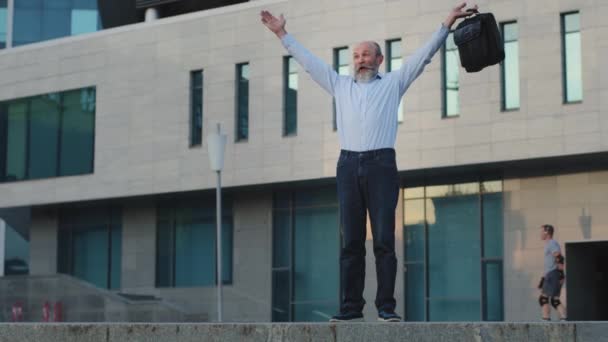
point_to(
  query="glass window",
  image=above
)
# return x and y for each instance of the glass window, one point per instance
(186, 235)
(452, 190)
(414, 240)
(571, 57)
(38, 20)
(510, 67)
(83, 21)
(493, 290)
(15, 142)
(281, 295)
(90, 245)
(451, 63)
(415, 297)
(196, 109)
(394, 59)
(341, 65)
(242, 98)
(55, 22)
(281, 257)
(77, 132)
(415, 224)
(315, 275)
(115, 253)
(453, 252)
(290, 96)
(165, 260)
(3, 23)
(43, 136)
(15, 226)
(306, 273)
(409, 193)
(492, 225)
(48, 135)
(454, 258)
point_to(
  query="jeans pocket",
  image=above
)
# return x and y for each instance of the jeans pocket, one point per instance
(341, 161)
(386, 161)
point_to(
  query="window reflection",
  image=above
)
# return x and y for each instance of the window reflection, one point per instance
(394, 60)
(3, 23)
(573, 90)
(39, 20)
(510, 67)
(451, 273)
(290, 96)
(451, 83)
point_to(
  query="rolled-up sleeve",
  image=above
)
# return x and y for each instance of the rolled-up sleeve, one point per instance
(319, 71)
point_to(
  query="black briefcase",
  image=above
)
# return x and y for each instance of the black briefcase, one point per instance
(479, 42)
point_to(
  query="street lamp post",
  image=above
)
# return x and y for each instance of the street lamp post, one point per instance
(216, 144)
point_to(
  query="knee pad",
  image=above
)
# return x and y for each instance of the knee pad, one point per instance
(542, 300)
(555, 302)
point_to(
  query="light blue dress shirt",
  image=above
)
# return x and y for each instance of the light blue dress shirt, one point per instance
(366, 112)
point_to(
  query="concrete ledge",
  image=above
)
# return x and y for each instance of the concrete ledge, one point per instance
(283, 332)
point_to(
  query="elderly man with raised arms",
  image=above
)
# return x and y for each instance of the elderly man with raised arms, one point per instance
(367, 178)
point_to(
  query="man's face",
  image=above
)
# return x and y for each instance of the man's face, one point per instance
(366, 61)
(543, 234)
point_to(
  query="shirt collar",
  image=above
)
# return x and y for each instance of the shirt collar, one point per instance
(379, 75)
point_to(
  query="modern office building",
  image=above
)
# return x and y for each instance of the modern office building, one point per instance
(106, 186)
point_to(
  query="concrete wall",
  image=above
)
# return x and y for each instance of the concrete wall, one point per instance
(43, 242)
(575, 204)
(142, 75)
(138, 246)
(389, 332)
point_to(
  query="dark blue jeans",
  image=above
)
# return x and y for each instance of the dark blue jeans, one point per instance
(367, 181)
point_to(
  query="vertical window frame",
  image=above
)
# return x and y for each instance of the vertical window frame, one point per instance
(444, 80)
(503, 83)
(196, 90)
(240, 136)
(336, 65)
(564, 63)
(196, 93)
(287, 60)
(389, 60)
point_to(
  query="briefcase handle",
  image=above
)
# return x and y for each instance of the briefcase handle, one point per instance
(472, 11)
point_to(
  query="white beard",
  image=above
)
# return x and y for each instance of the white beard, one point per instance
(365, 75)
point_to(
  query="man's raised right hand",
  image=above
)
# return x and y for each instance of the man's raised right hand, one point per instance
(274, 24)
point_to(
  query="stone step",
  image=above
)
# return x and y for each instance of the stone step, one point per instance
(300, 332)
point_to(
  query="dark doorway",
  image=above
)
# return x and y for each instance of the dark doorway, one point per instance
(587, 279)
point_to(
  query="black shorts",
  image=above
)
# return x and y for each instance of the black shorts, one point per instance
(552, 285)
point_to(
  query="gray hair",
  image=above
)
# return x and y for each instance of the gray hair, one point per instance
(377, 48)
(374, 45)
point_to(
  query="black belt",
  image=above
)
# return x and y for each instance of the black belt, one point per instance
(365, 154)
